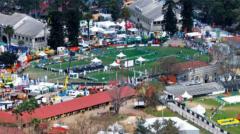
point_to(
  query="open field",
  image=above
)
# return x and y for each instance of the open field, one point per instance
(108, 55)
(228, 111)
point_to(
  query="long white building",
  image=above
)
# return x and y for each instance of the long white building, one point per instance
(31, 31)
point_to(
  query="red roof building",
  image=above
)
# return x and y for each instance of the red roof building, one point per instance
(184, 66)
(10, 130)
(74, 105)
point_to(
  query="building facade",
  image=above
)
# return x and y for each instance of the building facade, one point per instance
(31, 32)
(148, 14)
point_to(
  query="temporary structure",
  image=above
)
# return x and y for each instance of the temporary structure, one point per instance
(186, 95)
(121, 55)
(199, 109)
(141, 59)
(42, 54)
(96, 60)
(114, 64)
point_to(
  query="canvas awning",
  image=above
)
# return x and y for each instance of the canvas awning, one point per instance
(199, 109)
(114, 64)
(121, 55)
(141, 59)
(186, 95)
(96, 60)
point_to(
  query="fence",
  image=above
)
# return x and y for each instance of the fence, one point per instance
(195, 118)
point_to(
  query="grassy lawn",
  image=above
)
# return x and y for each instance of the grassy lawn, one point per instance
(111, 75)
(207, 101)
(36, 73)
(228, 111)
(64, 65)
(108, 55)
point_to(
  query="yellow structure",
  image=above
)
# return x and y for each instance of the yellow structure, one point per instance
(228, 121)
(65, 83)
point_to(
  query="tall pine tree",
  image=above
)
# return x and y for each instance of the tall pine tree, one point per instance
(72, 24)
(170, 20)
(187, 15)
(56, 29)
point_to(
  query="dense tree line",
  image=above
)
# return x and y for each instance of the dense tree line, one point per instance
(219, 12)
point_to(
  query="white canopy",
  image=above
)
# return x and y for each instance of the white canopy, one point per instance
(141, 59)
(194, 34)
(96, 29)
(186, 95)
(133, 29)
(121, 55)
(199, 109)
(115, 64)
(96, 60)
(42, 54)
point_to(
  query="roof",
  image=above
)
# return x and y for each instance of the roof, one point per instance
(184, 66)
(30, 27)
(22, 24)
(7, 117)
(194, 90)
(151, 9)
(70, 106)
(11, 19)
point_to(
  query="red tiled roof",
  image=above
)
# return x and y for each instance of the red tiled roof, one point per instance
(69, 106)
(7, 117)
(189, 65)
(58, 130)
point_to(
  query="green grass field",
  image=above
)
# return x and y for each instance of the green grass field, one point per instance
(152, 54)
(108, 55)
(228, 111)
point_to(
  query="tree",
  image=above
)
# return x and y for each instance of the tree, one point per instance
(157, 127)
(166, 65)
(170, 20)
(56, 32)
(28, 5)
(187, 15)
(116, 96)
(8, 59)
(125, 15)
(169, 127)
(27, 106)
(88, 16)
(141, 128)
(72, 24)
(9, 31)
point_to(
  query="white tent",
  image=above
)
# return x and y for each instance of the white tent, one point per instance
(141, 59)
(114, 64)
(42, 54)
(186, 95)
(121, 55)
(95, 29)
(22, 58)
(194, 34)
(199, 109)
(96, 60)
(105, 24)
(133, 29)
